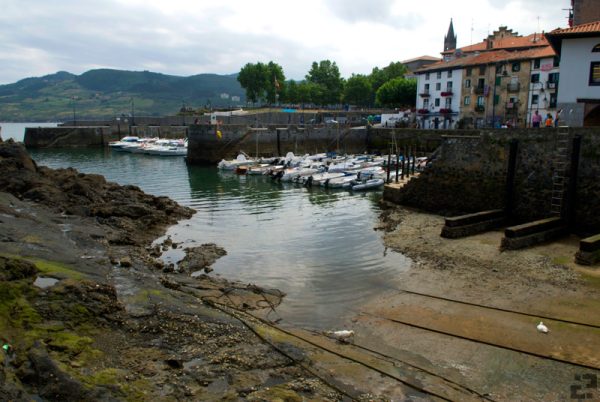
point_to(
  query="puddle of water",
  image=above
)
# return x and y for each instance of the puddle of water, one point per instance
(44, 282)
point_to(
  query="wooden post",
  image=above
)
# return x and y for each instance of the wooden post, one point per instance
(389, 164)
(397, 163)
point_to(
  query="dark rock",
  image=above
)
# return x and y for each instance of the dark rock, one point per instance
(12, 269)
(125, 262)
(200, 258)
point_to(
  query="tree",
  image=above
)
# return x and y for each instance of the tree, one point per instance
(261, 81)
(252, 78)
(358, 90)
(397, 92)
(381, 76)
(273, 81)
(326, 75)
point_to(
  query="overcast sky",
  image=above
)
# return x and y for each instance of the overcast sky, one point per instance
(180, 37)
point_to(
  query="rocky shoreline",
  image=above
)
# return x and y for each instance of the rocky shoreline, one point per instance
(88, 311)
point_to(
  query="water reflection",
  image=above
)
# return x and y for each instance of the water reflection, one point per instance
(316, 245)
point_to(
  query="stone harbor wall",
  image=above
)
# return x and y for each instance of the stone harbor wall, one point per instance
(468, 174)
(207, 147)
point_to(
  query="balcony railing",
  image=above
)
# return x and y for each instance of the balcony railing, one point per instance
(445, 111)
(479, 108)
(447, 92)
(512, 105)
(479, 90)
(425, 93)
(422, 111)
(513, 87)
(551, 85)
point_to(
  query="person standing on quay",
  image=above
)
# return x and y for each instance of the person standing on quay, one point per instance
(536, 120)
(549, 121)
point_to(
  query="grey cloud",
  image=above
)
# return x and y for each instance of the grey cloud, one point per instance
(379, 11)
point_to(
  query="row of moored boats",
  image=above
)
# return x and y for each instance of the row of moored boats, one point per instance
(150, 146)
(352, 172)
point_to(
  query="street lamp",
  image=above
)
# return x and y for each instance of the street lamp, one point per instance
(132, 113)
(74, 98)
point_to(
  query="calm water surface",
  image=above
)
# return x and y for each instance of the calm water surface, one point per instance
(317, 246)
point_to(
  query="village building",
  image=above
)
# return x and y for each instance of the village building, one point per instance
(500, 81)
(579, 86)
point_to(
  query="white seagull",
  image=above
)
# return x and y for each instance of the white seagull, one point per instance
(542, 328)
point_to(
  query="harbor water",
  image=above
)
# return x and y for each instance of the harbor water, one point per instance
(317, 246)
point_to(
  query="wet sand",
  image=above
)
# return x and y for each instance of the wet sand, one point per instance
(498, 353)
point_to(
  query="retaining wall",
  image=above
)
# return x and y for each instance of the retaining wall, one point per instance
(468, 175)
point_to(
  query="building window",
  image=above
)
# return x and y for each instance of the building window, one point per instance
(438, 86)
(553, 77)
(481, 70)
(467, 101)
(427, 76)
(516, 67)
(481, 101)
(439, 75)
(481, 83)
(596, 48)
(555, 61)
(535, 78)
(426, 103)
(449, 73)
(534, 99)
(449, 86)
(595, 73)
(536, 64)
(448, 103)
(467, 83)
(496, 99)
(426, 88)
(469, 71)
(437, 102)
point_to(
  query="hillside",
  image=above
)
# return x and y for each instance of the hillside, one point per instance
(106, 93)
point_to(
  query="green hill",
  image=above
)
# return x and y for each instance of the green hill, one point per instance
(106, 93)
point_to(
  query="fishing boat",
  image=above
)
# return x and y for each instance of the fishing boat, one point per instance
(233, 164)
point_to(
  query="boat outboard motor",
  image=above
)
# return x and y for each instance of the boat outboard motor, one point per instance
(309, 182)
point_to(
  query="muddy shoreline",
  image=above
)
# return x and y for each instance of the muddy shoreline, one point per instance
(115, 322)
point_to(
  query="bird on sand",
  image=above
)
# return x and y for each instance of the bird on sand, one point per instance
(342, 335)
(542, 328)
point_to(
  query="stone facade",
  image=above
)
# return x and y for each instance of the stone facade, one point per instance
(468, 175)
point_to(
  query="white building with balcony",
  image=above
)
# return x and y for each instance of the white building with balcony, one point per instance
(543, 86)
(579, 86)
(438, 96)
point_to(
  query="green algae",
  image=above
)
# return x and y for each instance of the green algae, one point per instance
(53, 268)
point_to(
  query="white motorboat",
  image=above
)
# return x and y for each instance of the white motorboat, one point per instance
(340, 182)
(168, 148)
(124, 141)
(368, 184)
(233, 164)
(321, 178)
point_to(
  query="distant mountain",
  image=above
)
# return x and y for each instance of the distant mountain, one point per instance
(105, 93)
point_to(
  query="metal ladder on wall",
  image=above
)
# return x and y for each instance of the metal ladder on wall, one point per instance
(560, 176)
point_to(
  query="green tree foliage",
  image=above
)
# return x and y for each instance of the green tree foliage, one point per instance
(261, 81)
(326, 76)
(274, 82)
(381, 76)
(397, 92)
(358, 90)
(252, 78)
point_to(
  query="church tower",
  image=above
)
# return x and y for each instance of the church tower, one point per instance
(450, 39)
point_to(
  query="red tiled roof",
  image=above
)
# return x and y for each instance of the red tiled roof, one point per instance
(590, 27)
(509, 42)
(555, 37)
(426, 58)
(490, 57)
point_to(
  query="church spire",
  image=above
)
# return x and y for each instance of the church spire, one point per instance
(450, 38)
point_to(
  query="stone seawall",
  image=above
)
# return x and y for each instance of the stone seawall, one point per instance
(206, 147)
(94, 136)
(469, 174)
